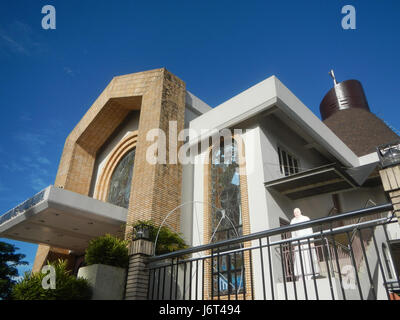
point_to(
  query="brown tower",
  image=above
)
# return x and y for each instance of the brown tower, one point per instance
(345, 110)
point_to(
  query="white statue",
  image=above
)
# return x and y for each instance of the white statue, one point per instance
(306, 252)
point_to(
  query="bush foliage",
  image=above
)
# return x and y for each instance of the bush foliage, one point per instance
(107, 250)
(168, 240)
(68, 287)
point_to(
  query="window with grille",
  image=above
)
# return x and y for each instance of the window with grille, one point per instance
(288, 164)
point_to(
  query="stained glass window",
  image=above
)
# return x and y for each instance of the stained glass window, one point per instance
(120, 184)
(226, 219)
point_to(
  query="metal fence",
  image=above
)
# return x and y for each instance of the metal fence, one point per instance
(342, 259)
(24, 206)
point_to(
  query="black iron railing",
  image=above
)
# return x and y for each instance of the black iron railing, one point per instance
(327, 264)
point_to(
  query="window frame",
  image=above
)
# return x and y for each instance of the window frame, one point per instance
(284, 159)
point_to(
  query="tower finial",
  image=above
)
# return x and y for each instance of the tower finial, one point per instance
(332, 74)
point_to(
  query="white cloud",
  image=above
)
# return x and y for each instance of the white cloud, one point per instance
(33, 163)
(3, 187)
(13, 45)
(43, 160)
(37, 183)
(69, 71)
(19, 38)
(33, 140)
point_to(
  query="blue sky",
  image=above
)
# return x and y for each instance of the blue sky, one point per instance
(49, 78)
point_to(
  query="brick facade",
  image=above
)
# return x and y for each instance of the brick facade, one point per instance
(156, 189)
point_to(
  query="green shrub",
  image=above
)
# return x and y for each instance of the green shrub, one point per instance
(68, 287)
(107, 250)
(168, 240)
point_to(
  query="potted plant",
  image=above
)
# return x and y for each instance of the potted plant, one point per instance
(106, 260)
(167, 240)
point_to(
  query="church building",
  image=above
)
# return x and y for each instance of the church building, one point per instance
(283, 157)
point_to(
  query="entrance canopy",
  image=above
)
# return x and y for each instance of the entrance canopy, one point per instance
(62, 219)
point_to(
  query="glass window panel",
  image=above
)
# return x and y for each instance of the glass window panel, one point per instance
(280, 160)
(296, 165)
(285, 163)
(225, 192)
(226, 217)
(120, 184)
(291, 166)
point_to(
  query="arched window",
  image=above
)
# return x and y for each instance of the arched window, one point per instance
(121, 179)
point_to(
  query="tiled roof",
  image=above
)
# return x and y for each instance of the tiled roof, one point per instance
(360, 130)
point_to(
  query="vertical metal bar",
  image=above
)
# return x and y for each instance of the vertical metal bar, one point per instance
(218, 275)
(271, 278)
(354, 265)
(177, 279)
(158, 284)
(328, 249)
(202, 283)
(172, 277)
(291, 252)
(283, 271)
(229, 276)
(380, 262)
(302, 270)
(190, 280)
(212, 274)
(327, 266)
(244, 275)
(197, 277)
(154, 283)
(251, 275)
(184, 280)
(312, 267)
(338, 265)
(163, 287)
(262, 267)
(367, 263)
(235, 275)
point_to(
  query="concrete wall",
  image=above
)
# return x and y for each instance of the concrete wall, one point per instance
(187, 203)
(279, 134)
(198, 199)
(356, 199)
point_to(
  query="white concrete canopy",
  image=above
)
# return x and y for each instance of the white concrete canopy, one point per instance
(62, 219)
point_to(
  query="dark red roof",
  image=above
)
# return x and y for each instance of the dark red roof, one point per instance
(360, 130)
